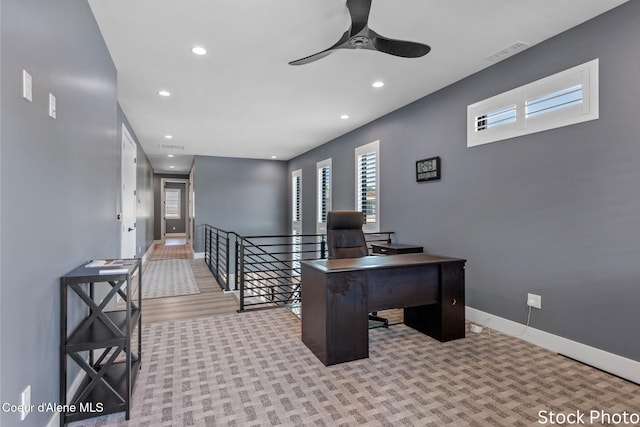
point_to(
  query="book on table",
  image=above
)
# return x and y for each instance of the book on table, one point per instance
(108, 263)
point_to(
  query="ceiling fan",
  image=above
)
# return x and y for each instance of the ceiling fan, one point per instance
(360, 36)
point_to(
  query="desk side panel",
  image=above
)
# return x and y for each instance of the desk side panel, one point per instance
(314, 311)
(347, 321)
(443, 321)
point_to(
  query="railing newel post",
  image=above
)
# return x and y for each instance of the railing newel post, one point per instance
(241, 273)
(237, 261)
(226, 262)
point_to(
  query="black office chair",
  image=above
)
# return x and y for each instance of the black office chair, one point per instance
(345, 239)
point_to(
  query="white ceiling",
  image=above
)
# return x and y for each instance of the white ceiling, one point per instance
(242, 99)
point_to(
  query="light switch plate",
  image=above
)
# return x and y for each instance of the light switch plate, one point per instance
(26, 86)
(52, 106)
(25, 403)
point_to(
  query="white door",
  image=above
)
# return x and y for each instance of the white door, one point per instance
(128, 220)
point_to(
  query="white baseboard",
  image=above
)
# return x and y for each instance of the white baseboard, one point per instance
(146, 254)
(609, 362)
(54, 421)
(198, 255)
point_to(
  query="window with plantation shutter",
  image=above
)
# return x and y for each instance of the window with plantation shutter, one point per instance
(565, 98)
(172, 203)
(296, 201)
(297, 212)
(368, 185)
(324, 194)
(296, 220)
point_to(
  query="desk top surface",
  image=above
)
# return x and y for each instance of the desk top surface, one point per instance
(377, 262)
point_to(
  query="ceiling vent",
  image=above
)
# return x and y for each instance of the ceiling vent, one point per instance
(507, 52)
(171, 147)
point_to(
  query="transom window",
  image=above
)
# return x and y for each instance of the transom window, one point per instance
(563, 99)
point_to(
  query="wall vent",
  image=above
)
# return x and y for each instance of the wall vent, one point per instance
(171, 147)
(507, 51)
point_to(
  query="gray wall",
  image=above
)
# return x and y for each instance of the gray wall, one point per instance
(59, 182)
(553, 213)
(157, 182)
(242, 195)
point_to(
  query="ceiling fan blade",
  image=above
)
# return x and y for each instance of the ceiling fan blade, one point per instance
(312, 58)
(402, 48)
(359, 10)
(322, 54)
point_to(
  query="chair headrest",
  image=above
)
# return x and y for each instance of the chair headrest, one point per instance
(344, 220)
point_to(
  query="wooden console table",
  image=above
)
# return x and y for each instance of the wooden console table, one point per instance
(338, 294)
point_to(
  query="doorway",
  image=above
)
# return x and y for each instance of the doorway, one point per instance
(174, 205)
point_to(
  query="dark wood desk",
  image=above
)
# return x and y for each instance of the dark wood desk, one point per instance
(395, 249)
(337, 296)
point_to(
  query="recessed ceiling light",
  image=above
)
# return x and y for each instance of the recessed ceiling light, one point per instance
(171, 167)
(164, 93)
(169, 155)
(168, 136)
(377, 84)
(198, 50)
(274, 157)
(344, 117)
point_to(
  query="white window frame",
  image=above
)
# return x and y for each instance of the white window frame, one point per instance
(296, 223)
(321, 226)
(586, 74)
(168, 215)
(372, 147)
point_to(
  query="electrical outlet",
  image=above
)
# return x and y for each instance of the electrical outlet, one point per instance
(534, 301)
(25, 403)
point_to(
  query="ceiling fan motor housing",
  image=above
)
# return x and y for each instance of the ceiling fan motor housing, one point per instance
(359, 42)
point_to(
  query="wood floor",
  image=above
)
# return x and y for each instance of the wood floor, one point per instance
(211, 301)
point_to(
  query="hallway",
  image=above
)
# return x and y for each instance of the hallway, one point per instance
(211, 301)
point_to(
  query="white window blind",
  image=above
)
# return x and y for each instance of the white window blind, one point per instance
(324, 194)
(172, 203)
(367, 184)
(296, 202)
(297, 189)
(296, 220)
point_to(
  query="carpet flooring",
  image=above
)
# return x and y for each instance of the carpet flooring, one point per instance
(252, 369)
(169, 277)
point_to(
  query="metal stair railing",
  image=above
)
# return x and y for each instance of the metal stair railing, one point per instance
(265, 269)
(217, 254)
(269, 269)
